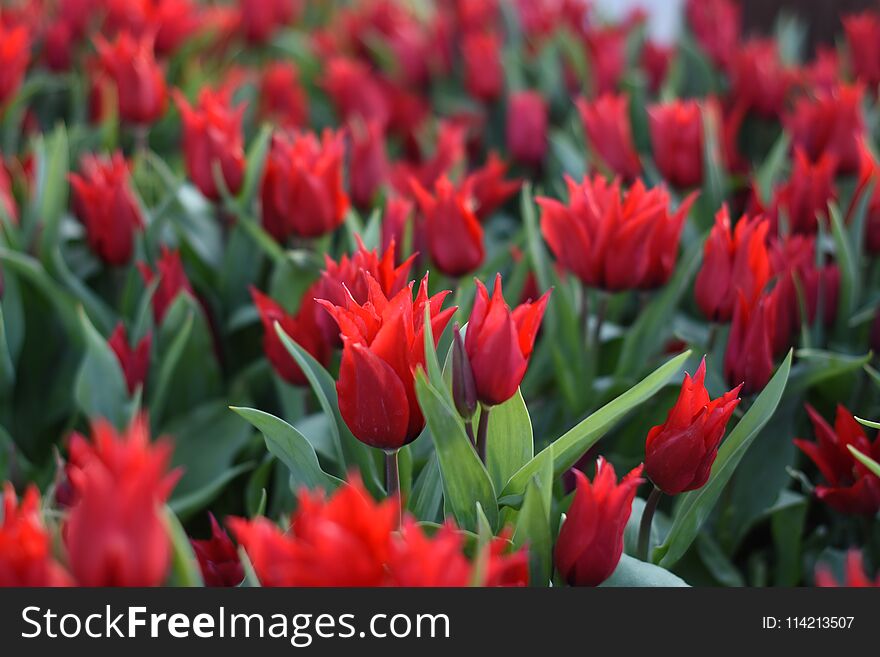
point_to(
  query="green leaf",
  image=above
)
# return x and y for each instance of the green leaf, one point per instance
(256, 163)
(52, 187)
(185, 506)
(865, 460)
(771, 168)
(290, 447)
(465, 480)
(427, 494)
(7, 367)
(631, 572)
(432, 362)
(533, 526)
(168, 365)
(694, 507)
(509, 443)
(850, 280)
(100, 389)
(184, 565)
(574, 443)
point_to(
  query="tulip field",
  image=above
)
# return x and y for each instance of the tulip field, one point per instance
(436, 293)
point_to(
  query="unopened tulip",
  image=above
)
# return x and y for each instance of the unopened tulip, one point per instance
(863, 41)
(655, 63)
(282, 97)
(805, 196)
(483, 69)
(677, 141)
(591, 539)
(526, 128)
(134, 360)
(609, 135)
(355, 92)
(172, 281)
(749, 356)
(758, 78)
(607, 47)
(218, 558)
(140, 83)
(680, 452)
(716, 24)
(368, 163)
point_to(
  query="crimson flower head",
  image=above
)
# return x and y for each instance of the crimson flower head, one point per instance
(831, 123)
(487, 187)
(850, 487)
(716, 25)
(499, 342)
(115, 533)
(855, 575)
(140, 83)
(591, 539)
(212, 139)
(677, 141)
(355, 92)
(734, 261)
(453, 232)
(806, 194)
(259, 19)
(303, 327)
(655, 62)
(282, 98)
(383, 345)
(218, 558)
(680, 452)
(397, 216)
(483, 69)
(607, 48)
(368, 163)
(863, 41)
(172, 281)
(609, 135)
(25, 544)
(302, 192)
(15, 54)
(104, 203)
(749, 356)
(526, 128)
(134, 361)
(614, 239)
(759, 80)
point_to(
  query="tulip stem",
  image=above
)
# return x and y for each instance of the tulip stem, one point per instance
(483, 431)
(392, 480)
(647, 521)
(469, 429)
(601, 311)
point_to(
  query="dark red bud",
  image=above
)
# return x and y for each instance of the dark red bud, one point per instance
(464, 391)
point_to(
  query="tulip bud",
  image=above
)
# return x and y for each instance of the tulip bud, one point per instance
(464, 391)
(218, 558)
(140, 84)
(607, 125)
(134, 361)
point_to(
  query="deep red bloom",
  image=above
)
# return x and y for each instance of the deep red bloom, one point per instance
(830, 123)
(454, 235)
(302, 191)
(383, 345)
(303, 327)
(172, 281)
(398, 214)
(655, 62)
(759, 80)
(526, 129)
(806, 193)
(368, 164)
(591, 539)
(855, 575)
(863, 41)
(25, 544)
(488, 188)
(449, 153)
(607, 49)
(677, 141)
(716, 25)
(104, 203)
(15, 54)
(135, 362)
(115, 534)
(218, 558)
(259, 19)
(680, 452)
(850, 487)
(212, 138)
(824, 73)
(611, 239)
(609, 136)
(282, 98)
(140, 84)
(483, 70)
(734, 261)
(499, 342)
(355, 91)
(749, 356)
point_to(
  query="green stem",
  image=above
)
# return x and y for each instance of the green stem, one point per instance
(469, 429)
(647, 521)
(392, 480)
(483, 431)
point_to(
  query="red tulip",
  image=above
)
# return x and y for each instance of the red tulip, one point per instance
(806, 194)
(135, 362)
(212, 139)
(104, 203)
(368, 163)
(607, 49)
(655, 62)
(25, 543)
(526, 129)
(172, 281)
(677, 141)
(303, 327)
(759, 80)
(302, 191)
(398, 215)
(609, 136)
(260, 19)
(855, 575)
(487, 187)
(355, 91)
(383, 345)
(454, 235)
(499, 342)
(15, 55)
(115, 533)
(611, 239)
(282, 98)
(449, 153)
(140, 84)
(591, 539)
(830, 123)
(863, 41)
(734, 262)
(716, 25)
(483, 69)
(749, 356)
(218, 558)
(824, 73)
(850, 487)
(680, 452)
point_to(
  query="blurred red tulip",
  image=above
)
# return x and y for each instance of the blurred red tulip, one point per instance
(804, 197)
(261, 18)
(680, 452)
(15, 55)
(526, 128)
(172, 281)
(759, 80)
(368, 163)
(397, 216)
(655, 61)
(282, 98)
(488, 188)
(607, 48)
(855, 575)
(850, 487)
(134, 361)
(591, 539)
(141, 91)
(716, 24)
(355, 91)
(218, 558)
(677, 141)
(483, 69)
(863, 41)
(607, 125)
(748, 359)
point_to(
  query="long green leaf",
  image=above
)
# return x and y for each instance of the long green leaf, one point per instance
(100, 387)
(631, 572)
(509, 443)
(184, 565)
(865, 460)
